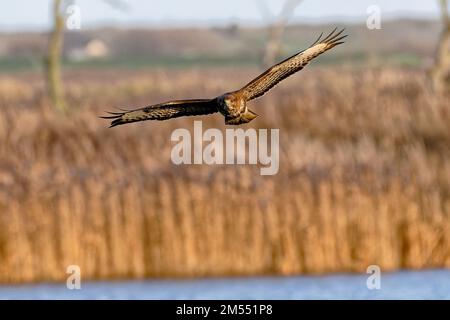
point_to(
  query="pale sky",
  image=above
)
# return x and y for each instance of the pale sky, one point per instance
(34, 14)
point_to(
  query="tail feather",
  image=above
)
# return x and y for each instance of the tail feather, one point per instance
(246, 117)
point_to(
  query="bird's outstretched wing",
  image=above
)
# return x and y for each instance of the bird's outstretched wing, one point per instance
(264, 82)
(164, 111)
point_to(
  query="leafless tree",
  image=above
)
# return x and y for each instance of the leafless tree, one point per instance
(440, 73)
(275, 30)
(53, 59)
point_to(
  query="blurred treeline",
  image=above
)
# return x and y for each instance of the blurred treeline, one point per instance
(401, 42)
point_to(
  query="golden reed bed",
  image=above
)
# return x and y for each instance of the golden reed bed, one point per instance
(364, 179)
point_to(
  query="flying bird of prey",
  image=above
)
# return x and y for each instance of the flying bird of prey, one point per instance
(232, 105)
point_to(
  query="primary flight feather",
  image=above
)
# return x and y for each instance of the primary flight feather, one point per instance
(232, 105)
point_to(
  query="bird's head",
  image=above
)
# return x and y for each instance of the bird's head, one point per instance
(234, 102)
(229, 99)
(231, 105)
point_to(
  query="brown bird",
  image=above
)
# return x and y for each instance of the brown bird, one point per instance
(232, 105)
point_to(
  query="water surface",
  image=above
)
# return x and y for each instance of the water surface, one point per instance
(433, 284)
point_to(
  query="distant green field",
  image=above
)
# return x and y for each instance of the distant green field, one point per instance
(166, 61)
(137, 62)
(20, 64)
(180, 62)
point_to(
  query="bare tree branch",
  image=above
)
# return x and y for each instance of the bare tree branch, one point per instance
(53, 59)
(440, 73)
(276, 30)
(53, 65)
(444, 12)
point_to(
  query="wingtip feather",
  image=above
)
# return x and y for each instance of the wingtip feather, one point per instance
(116, 122)
(116, 118)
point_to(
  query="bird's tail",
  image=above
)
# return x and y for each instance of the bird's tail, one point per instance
(246, 117)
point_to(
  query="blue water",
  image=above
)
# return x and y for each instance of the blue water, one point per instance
(433, 284)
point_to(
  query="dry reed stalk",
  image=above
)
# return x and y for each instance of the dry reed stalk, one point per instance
(364, 179)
